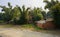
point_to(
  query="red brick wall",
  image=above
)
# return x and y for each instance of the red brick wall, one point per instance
(47, 25)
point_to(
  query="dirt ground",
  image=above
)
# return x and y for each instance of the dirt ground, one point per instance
(11, 32)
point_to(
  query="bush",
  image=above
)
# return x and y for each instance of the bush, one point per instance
(36, 18)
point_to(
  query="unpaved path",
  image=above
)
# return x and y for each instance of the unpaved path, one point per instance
(10, 32)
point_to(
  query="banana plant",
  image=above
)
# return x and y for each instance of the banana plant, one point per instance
(8, 12)
(24, 14)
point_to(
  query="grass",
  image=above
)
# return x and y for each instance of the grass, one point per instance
(24, 26)
(6, 25)
(31, 27)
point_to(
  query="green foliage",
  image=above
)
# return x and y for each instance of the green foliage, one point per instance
(56, 12)
(16, 14)
(54, 8)
(7, 16)
(49, 14)
(37, 14)
(36, 18)
(51, 3)
(44, 14)
(22, 15)
(1, 16)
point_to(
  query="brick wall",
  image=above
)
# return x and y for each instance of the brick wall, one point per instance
(47, 25)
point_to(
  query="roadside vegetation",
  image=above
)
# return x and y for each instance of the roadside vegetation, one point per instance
(26, 17)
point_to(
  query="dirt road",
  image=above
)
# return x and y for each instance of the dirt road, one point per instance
(10, 32)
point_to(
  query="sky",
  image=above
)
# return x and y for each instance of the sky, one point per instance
(27, 3)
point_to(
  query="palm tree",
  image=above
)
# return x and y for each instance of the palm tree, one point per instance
(51, 3)
(38, 12)
(24, 14)
(8, 12)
